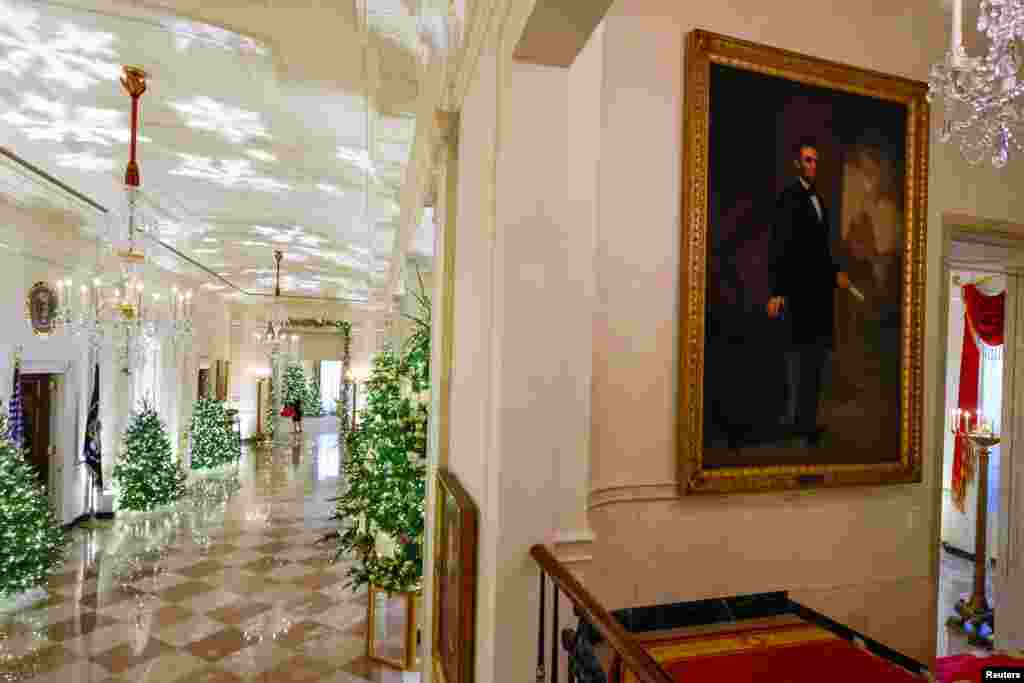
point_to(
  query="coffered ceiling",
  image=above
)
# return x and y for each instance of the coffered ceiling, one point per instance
(265, 125)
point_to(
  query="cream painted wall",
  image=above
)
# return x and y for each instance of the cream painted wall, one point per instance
(522, 325)
(37, 246)
(250, 361)
(17, 275)
(864, 556)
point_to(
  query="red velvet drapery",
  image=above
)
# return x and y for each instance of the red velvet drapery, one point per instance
(984, 321)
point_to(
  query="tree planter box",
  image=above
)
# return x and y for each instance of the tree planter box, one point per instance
(392, 628)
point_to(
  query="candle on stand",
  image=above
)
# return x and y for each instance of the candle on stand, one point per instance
(84, 299)
(174, 303)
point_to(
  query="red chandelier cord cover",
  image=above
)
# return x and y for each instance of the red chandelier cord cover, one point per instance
(984, 322)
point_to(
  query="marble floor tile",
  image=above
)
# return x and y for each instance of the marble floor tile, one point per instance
(165, 668)
(207, 602)
(252, 661)
(232, 589)
(956, 580)
(189, 631)
(211, 674)
(221, 644)
(125, 656)
(80, 671)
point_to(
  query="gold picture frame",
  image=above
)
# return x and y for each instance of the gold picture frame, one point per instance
(456, 528)
(706, 54)
(41, 309)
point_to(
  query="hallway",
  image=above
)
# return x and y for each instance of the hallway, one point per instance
(227, 586)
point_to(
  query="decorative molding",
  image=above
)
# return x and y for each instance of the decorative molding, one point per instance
(632, 493)
(45, 367)
(573, 546)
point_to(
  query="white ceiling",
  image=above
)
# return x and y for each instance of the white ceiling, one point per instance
(289, 130)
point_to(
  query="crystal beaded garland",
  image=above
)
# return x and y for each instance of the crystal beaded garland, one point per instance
(982, 110)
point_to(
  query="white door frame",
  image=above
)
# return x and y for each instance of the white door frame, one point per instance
(1010, 543)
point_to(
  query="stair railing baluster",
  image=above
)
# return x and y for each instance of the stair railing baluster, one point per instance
(540, 649)
(554, 633)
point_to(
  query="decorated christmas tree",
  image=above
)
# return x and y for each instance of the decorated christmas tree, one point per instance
(214, 442)
(31, 540)
(146, 476)
(295, 388)
(381, 505)
(313, 405)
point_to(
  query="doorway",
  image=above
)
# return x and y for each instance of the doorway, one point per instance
(962, 499)
(36, 392)
(979, 514)
(204, 383)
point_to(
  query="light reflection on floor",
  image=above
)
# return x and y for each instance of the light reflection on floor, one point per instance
(226, 586)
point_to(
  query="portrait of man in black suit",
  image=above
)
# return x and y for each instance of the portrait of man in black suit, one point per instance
(804, 275)
(802, 313)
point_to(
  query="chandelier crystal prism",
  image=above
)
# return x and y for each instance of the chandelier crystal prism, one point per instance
(113, 310)
(277, 318)
(983, 108)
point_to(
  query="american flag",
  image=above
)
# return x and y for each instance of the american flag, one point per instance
(92, 431)
(14, 415)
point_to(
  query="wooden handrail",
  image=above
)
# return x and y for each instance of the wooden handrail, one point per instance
(634, 657)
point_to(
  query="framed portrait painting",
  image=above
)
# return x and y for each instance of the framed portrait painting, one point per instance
(41, 309)
(455, 571)
(804, 213)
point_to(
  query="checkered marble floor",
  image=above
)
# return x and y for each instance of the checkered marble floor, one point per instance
(224, 587)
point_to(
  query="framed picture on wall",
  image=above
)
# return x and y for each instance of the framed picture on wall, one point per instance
(41, 309)
(801, 325)
(455, 572)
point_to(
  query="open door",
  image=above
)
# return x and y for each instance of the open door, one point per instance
(35, 392)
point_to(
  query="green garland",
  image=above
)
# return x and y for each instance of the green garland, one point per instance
(214, 442)
(146, 476)
(382, 502)
(31, 539)
(341, 407)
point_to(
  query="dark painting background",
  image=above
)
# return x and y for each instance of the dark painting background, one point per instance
(755, 120)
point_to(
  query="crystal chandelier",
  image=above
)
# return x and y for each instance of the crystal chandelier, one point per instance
(277, 320)
(116, 314)
(982, 106)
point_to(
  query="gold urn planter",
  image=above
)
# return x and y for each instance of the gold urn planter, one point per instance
(392, 628)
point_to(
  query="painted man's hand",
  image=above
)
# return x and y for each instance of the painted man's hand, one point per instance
(775, 305)
(842, 280)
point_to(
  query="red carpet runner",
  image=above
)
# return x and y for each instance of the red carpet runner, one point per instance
(801, 653)
(968, 667)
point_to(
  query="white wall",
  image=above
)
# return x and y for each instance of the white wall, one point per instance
(864, 556)
(524, 235)
(47, 246)
(17, 275)
(250, 360)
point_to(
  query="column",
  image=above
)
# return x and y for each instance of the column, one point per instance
(1008, 579)
(522, 358)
